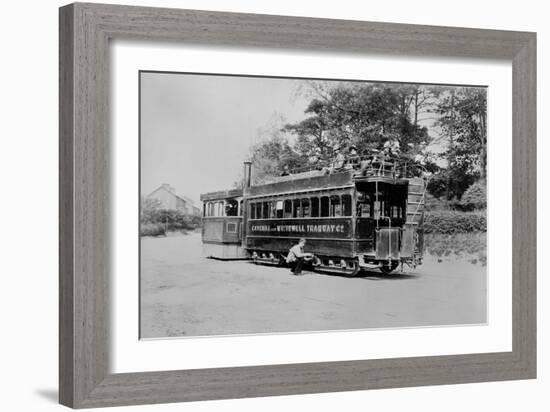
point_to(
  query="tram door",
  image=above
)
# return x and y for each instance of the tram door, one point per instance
(380, 216)
(222, 229)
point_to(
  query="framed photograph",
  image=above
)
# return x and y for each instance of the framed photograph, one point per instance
(257, 205)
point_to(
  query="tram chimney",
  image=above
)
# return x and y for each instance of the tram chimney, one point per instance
(247, 176)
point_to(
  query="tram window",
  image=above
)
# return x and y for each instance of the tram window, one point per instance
(314, 207)
(378, 209)
(279, 209)
(325, 207)
(287, 209)
(363, 209)
(266, 210)
(335, 209)
(241, 208)
(297, 209)
(252, 210)
(231, 208)
(397, 212)
(346, 205)
(394, 211)
(305, 208)
(273, 213)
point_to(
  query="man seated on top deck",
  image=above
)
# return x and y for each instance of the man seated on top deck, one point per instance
(390, 151)
(353, 159)
(343, 162)
(391, 148)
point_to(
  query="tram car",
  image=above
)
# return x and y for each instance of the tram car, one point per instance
(365, 215)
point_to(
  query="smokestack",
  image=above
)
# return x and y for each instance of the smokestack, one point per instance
(247, 176)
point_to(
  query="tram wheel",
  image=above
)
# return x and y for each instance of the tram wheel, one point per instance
(387, 269)
(353, 271)
(316, 262)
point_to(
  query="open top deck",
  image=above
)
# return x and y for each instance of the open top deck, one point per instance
(366, 169)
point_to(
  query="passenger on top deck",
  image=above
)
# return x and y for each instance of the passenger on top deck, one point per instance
(365, 164)
(391, 148)
(353, 159)
(343, 162)
(340, 160)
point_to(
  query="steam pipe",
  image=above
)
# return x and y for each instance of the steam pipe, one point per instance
(247, 174)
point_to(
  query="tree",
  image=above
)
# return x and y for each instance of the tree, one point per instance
(463, 120)
(272, 153)
(362, 115)
(149, 209)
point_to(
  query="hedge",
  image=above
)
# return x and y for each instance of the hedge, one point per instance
(452, 221)
(171, 220)
(152, 229)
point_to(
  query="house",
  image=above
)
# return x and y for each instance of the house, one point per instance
(168, 199)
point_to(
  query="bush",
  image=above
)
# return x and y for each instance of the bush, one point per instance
(475, 197)
(170, 219)
(452, 221)
(471, 246)
(433, 203)
(152, 229)
(450, 182)
(176, 220)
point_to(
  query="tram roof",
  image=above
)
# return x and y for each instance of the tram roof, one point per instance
(222, 194)
(302, 182)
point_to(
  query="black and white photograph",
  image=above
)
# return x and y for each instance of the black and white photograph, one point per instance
(280, 205)
(275, 206)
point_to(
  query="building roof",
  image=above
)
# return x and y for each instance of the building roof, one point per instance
(180, 197)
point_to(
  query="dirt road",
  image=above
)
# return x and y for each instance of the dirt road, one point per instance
(184, 294)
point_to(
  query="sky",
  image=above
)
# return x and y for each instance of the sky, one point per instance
(196, 130)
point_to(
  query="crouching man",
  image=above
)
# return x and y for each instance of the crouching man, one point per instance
(297, 257)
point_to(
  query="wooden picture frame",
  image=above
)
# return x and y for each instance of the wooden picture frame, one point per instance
(85, 31)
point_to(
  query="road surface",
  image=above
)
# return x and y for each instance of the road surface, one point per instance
(184, 294)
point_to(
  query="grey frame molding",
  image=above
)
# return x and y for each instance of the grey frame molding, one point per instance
(85, 31)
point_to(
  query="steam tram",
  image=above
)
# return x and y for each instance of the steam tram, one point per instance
(367, 215)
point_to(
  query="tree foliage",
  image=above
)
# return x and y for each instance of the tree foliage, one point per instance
(362, 115)
(270, 156)
(462, 119)
(367, 115)
(475, 197)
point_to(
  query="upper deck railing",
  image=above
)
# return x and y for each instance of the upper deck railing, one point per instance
(362, 166)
